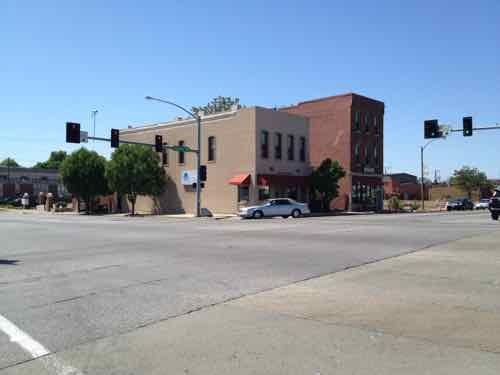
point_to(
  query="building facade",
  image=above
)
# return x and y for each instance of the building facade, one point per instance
(251, 154)
(404, 186)
(15, 181)
(348, 128)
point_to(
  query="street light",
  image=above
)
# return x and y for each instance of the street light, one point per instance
(198, 151)
(93, 114)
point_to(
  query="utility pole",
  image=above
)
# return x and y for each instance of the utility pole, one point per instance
(422, 188)
(422, 182)
(198, 151)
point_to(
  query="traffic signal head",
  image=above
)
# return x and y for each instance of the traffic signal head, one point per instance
(203, 172)
(72, 132)
(467, 129)
(158, 143)
(431, 129)
(115, 138)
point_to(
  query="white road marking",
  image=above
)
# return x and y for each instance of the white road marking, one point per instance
(35, 349)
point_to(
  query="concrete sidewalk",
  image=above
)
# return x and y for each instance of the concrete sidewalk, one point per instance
(435, 311)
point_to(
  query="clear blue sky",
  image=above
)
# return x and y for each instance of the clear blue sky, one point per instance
(424, 59)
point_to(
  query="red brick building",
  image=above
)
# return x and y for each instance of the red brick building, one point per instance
(349, 128)
(404, 186)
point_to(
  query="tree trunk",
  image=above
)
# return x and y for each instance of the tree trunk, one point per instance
(132, 199)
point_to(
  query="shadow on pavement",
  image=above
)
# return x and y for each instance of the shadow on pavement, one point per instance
(8, 262)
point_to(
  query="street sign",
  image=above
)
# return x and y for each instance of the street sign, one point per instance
(188, 177)
(84, 137)
(181, 148)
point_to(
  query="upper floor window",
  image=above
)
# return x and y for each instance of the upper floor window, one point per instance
(367, 122)
(375, 124)
(264, 144)
(378, 124)
(181, 155)
(211, 148)
(277, 145)
(302, 151)
(356, 152)
(357, 120)
(291, 147)
(375, 154)
(367, 154)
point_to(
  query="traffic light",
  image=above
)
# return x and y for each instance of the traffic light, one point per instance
(203, 172)
(467, 122)
(72, 132)
(431, 129)
(115, 138)
(158, 143)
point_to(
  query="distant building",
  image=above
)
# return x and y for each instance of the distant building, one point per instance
(349, 128)
(15, 181)
(404, 186)
(251, 154)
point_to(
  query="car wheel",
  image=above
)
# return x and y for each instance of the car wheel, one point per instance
(258, 214)
(494, 216)
(296, 213)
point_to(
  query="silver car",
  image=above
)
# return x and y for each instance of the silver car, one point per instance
(483, 204)
(284, 207)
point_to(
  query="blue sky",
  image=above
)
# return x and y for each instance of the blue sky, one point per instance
(424, 59)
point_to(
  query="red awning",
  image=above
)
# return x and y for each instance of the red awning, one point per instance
(240, 179)
(284, 180)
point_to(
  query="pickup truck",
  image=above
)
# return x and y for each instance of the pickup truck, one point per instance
(494, 206)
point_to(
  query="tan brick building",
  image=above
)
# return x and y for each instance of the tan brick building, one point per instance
(250, 153)
(349, 128)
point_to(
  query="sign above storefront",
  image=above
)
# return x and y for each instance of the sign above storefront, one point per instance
(188, 177)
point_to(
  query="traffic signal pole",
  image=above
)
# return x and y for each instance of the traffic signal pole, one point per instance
(198, 151)
(422, 184)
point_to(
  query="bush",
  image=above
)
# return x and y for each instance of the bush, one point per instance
(414, 206)
(395, 204)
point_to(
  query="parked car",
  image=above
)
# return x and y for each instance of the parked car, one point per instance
(495, 204)
(284, 207)
(483, 204)
(459, 204)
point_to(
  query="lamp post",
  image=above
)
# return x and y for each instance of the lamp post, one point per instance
(198, 151)
(93, 114)
(422, 188)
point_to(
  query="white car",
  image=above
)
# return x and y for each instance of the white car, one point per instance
(483, 204)
(284, 207)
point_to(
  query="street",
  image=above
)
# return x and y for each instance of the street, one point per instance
(73, 281)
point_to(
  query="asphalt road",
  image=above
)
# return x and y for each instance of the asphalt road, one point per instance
(68, 280)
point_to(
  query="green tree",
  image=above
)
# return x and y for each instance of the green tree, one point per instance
(9, 163)
(217, 105)
(83, 173)
(54, 162)
(325, 181)
(470, 179)
(135, 170)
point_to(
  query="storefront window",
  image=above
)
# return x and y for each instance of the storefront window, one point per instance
(264, 194)
(243, 193)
